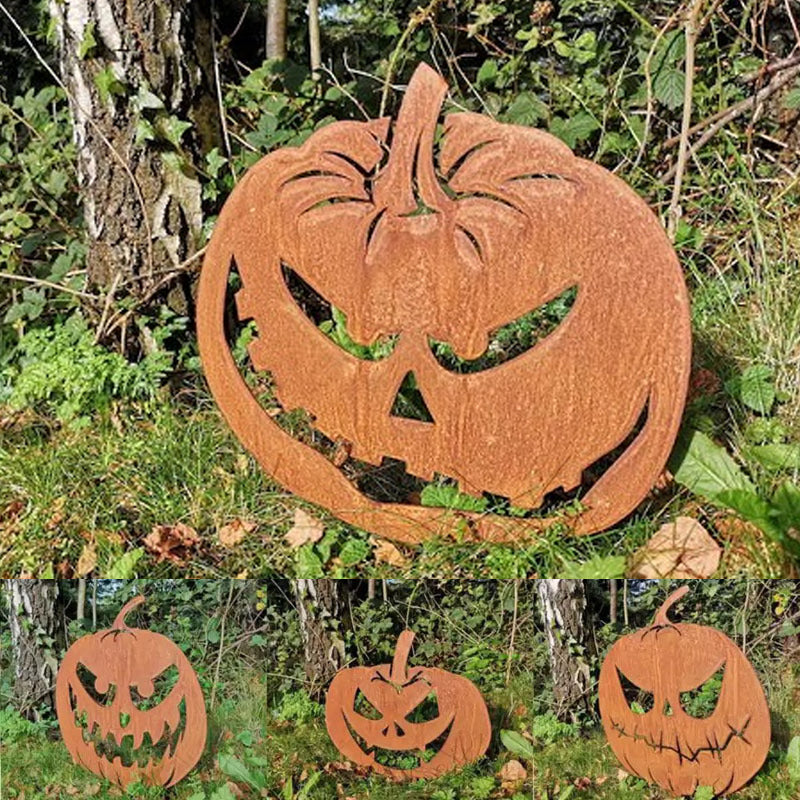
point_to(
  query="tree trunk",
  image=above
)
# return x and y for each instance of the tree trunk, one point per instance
(314, 48)
(320, 610)
(140, 79)
(81, 602)
(32, 618)
(276, 29)
(612, 600)
(564, 611)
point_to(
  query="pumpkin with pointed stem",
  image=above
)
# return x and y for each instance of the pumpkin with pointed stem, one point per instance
(670, 744)
(393, 692)
(95, 718)
(442, 245)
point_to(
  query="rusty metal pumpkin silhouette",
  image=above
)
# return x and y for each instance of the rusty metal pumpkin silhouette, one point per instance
(102, 691)
(450, 243)
(671, 744)
(391, 693)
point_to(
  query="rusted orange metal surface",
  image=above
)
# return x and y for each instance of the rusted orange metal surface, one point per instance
(676, 748)
(96, 717)
(367, 710)
(421, 241)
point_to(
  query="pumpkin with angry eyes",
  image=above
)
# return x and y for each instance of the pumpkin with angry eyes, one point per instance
(391, 693)
(427, 247)
(671, 743)
(102, 691)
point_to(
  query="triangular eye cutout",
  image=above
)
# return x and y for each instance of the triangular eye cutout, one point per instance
(701, 702)
(409, 402)
(639, 700)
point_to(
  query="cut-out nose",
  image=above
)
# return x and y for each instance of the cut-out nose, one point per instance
(667, 712)
(409, 402)
(398, 731)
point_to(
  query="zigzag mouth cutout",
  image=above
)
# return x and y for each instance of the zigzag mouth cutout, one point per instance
(683, 750)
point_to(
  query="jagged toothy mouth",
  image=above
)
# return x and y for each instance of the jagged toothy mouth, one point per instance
(383, 755)
(118, 747)
(683, 750)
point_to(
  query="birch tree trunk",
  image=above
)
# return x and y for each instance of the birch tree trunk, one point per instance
(564, 614)
(276, 29)
(140, 80)
(320, 610)
(32, 618)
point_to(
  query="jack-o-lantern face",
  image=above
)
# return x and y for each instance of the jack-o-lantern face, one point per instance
(105, 690)
(669, 742)
(370, 710)
(430, 248)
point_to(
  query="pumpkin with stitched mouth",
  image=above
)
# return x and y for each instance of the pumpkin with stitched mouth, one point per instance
(367, 711)
(672, 743)
(428, 250)
(102, 691)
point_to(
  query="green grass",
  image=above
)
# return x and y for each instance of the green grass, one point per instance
(108, 485)
(275, 753)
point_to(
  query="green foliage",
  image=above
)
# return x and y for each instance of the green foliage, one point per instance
(14, 727)
(297, 706)
(63, 372)
(793, 759)
(547, 729)
(517, 744)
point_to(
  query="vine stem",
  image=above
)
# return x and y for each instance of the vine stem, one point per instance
(119, 621)
(661, 617)
(401, 653)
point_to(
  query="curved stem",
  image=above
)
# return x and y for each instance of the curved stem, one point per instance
(401, 653)
(661, 617)
(119, 622)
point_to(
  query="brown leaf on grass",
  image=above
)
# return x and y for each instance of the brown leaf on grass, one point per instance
(88, 559)
(232, 534)
(304, 530)
(679, 549)
(512, 775)
(386, 553)
(172, 542)
(703, 383)
(341, 453)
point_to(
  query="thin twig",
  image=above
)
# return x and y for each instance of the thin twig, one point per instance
(49, 284)
(691, 31)
(510, 655)
(740, 108)
(221, 644)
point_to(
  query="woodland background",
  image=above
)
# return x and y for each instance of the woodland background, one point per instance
(113, 459)
(265, 651)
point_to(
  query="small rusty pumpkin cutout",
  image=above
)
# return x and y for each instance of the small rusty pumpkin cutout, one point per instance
(367, 710)
(428, 251)
(667, 740)
(102, 700)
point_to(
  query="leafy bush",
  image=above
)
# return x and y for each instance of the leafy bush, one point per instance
(14, 727)
(60, 370)
(298, 707)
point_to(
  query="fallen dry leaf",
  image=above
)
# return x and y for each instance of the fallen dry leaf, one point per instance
(512, 774)
(679, 549)
(304, 530)
(88, 559)
(386, 553)
(232, 534)
(622, 774)
(172, 542)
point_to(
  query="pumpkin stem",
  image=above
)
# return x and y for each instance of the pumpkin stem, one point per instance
(401, 653)
(408, 183)
(119, 622)
(661, 617)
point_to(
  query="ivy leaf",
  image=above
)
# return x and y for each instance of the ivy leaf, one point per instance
(449, 497)
(88, 43)
(487, 73)
(597, 567)
(108, 84)
(172, 129)
(527, 109)
(575, 129)
(125, 566)
(669, 86)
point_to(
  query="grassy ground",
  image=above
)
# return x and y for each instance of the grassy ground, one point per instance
(104, 488)
(286, 759)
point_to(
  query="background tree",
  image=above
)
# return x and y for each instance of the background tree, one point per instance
(33, 613)
(141, 88)
(563, 605)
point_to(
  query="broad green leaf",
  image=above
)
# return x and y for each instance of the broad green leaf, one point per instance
(669, 86)
(575, 129)
(517, 744)
(353, 551)
(125, 566)
(703, 793)
(776, 456)
(792, 98)
(793, 759)
(488, 72)
(596, 567)
(308, 563)
(449, 497)
(527, 109)
(757, 390)
(705, 468)
(786, 506)
(237, 770)
(752, 508)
